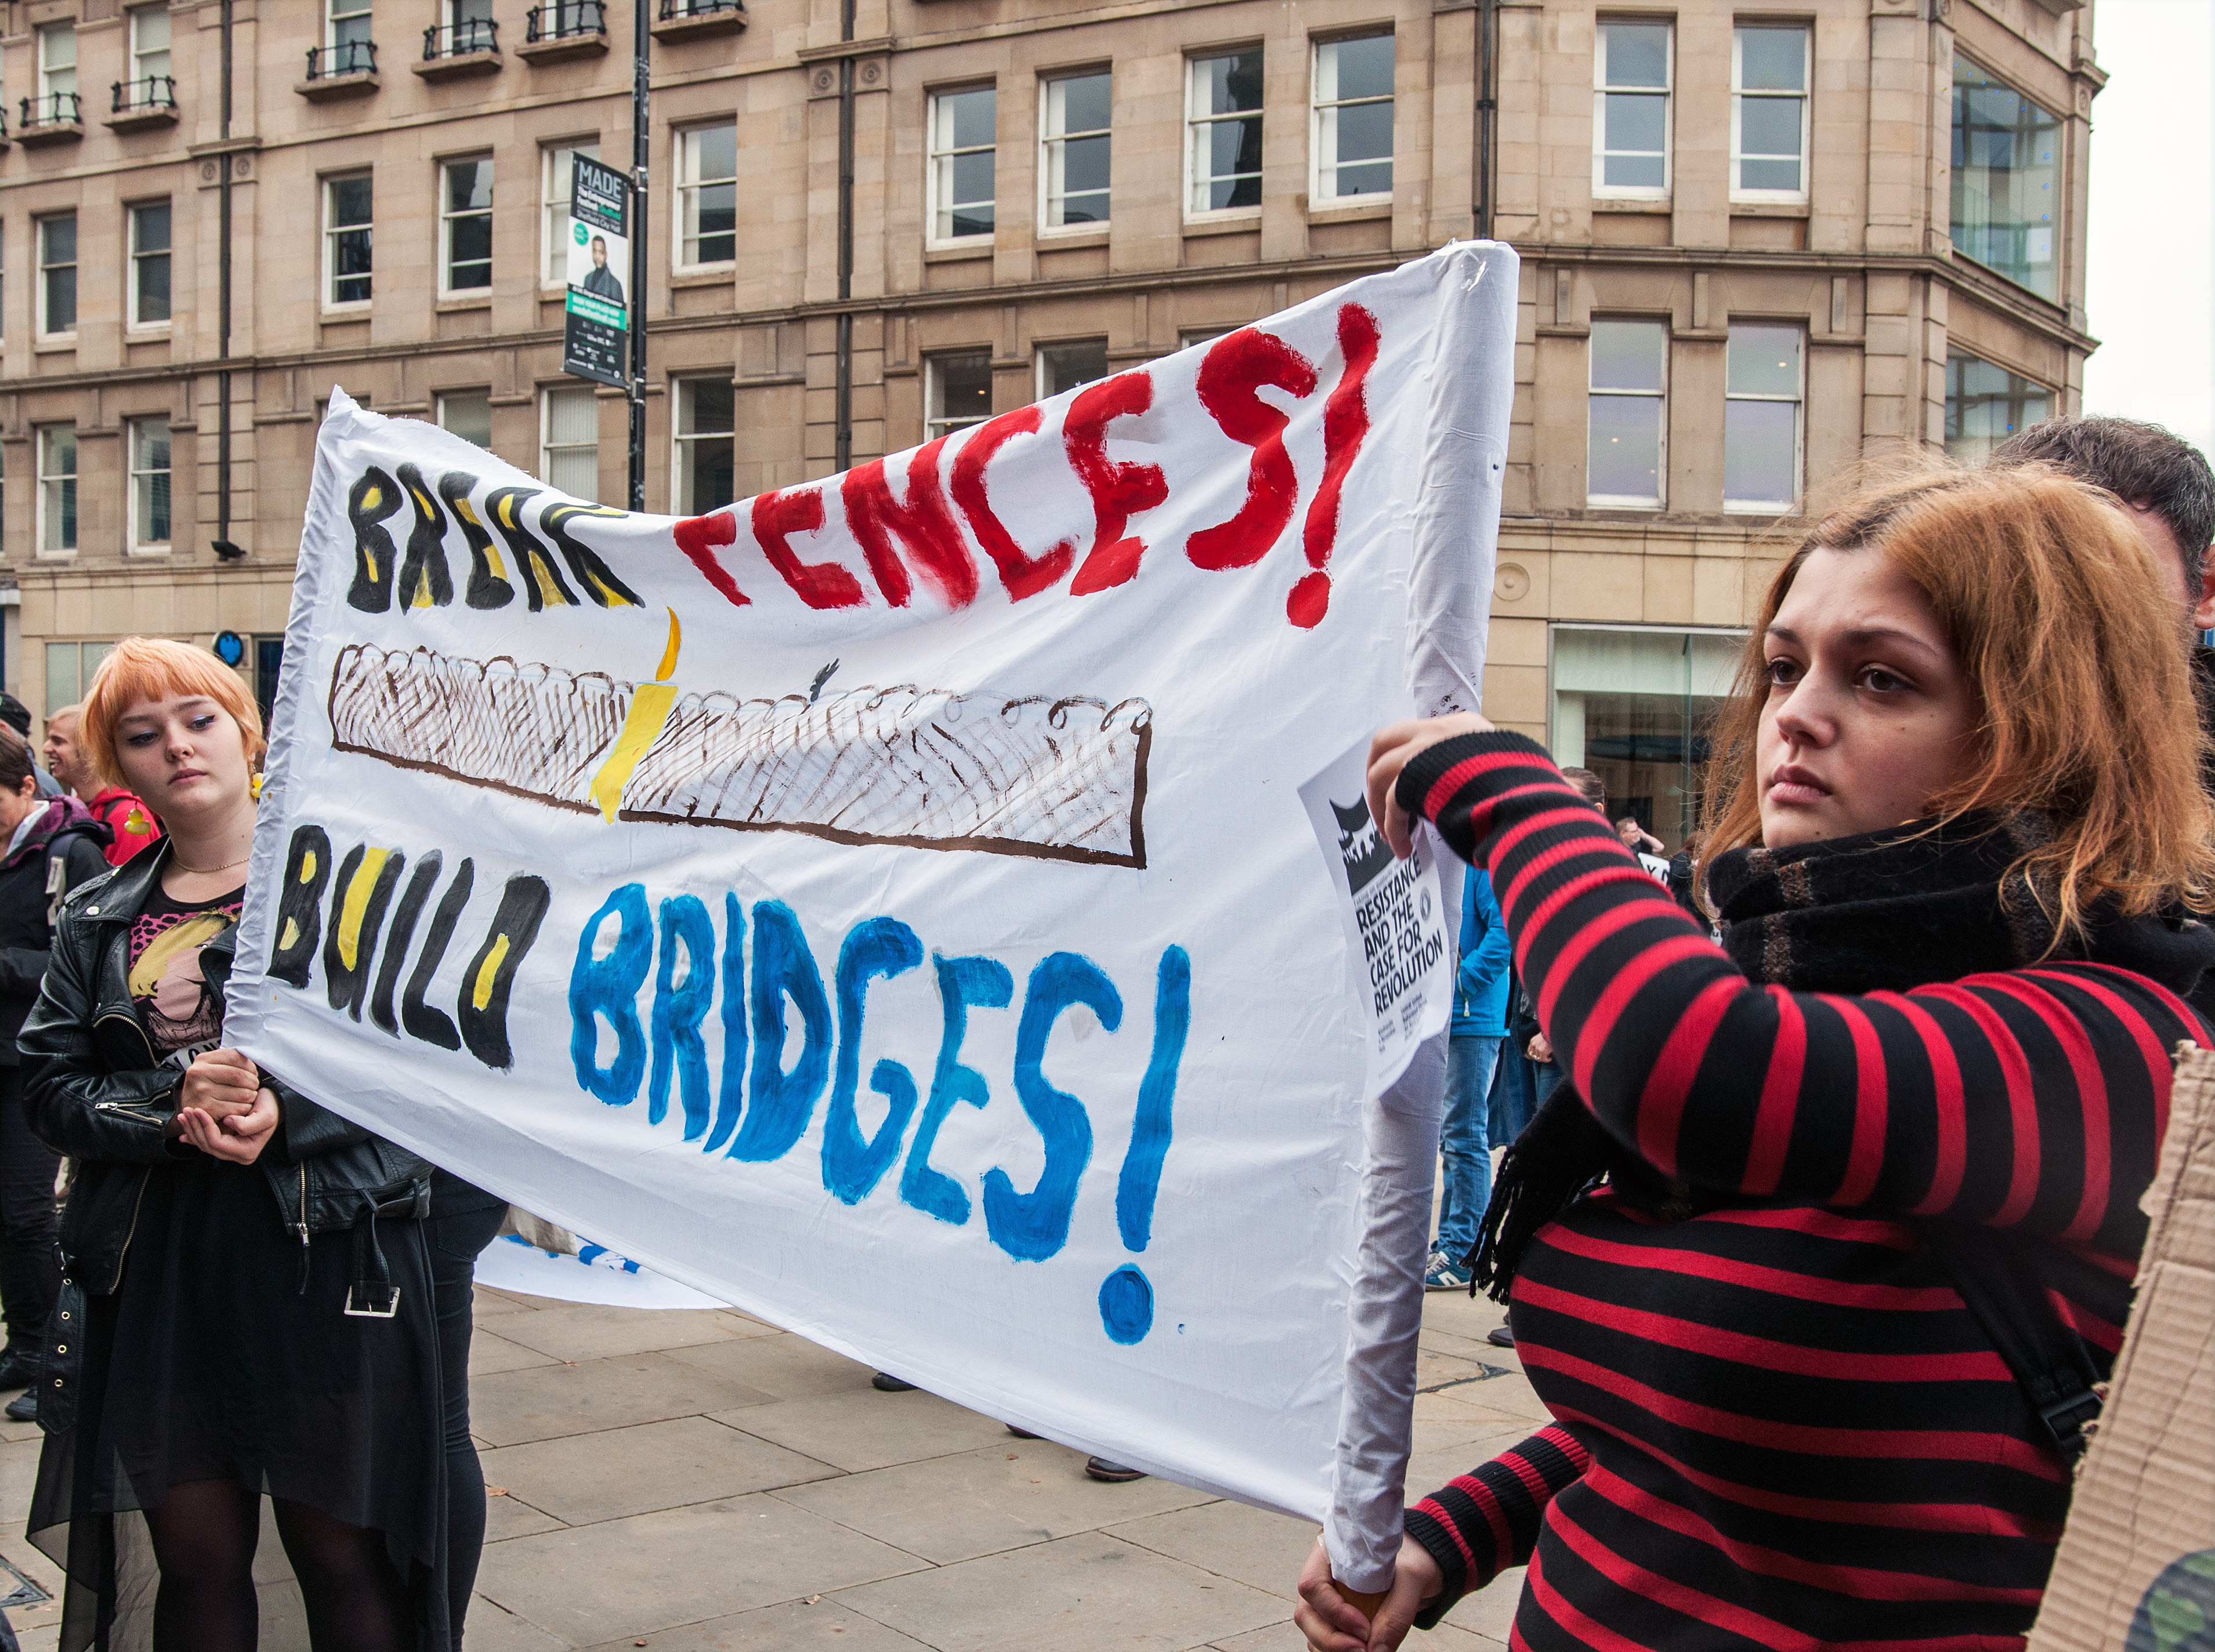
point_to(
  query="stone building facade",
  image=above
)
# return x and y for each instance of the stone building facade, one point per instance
(1756, 242)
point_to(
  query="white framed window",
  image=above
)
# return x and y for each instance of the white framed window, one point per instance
(149, 264)
(1769, 113)
(1223, 133)
(1764, 388)
(1065, 366)
(58, 275)
(1078, 148)
(708, 195)
(1190, 336)
(465, 226)
(348, 204)
(150, 49)
(70, 668)
(963, 163)
(706, 452)
(1626, 460)
(148, 445)
(569, 441)
(57, 525)
(468, 414)
(957, 391)
(558, 168)
(57, 98)
(1986, 404)
(1630, 111)
(1352, 136)
(348, 39)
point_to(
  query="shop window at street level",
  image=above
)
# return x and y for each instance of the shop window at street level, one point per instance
(957, 391)
(1065, 366)
(1222, 151)
(465, 226)
(708, 195)
(1763, 391)
(1634, 704)
(1769, 114)
(1630, 111)
(569, 442)
(347, 205)
(963, 174)
(1628, 414)
(149, 264)
(706, 450)
(555, 237)
(1986, 404)
(70, 670)
(57, 526)
(2007, 179)
(1352, 135)
(148, 447)
(1077, 108)
(57, 274)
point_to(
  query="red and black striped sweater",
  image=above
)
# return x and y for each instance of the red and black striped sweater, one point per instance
(1777, 1425)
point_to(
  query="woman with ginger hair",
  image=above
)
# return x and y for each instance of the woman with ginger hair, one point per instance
(251, 1300)
(1957, 829)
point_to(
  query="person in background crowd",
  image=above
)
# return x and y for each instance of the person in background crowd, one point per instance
(116, 807)
(1643, 844)
(1480, 1022)
(250, 1274)
(1593, 791)
(1956, 841)
(17, 716)
(1684, 878)
(51, 848)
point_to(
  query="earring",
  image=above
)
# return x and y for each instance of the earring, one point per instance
(257, 786)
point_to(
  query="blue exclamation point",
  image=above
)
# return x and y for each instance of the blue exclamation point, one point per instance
(1126, 1296)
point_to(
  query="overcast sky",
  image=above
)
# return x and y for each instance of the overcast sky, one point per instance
(2151, 270)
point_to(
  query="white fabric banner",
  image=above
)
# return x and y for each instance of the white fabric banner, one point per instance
(886, 904)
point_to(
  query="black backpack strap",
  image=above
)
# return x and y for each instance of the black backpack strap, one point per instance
(2049, 1360)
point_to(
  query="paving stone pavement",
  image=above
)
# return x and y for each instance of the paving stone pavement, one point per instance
(705, 1483)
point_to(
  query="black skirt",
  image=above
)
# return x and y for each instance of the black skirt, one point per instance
(227, 1354)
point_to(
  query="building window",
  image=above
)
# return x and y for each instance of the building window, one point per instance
(962, 162)
(350, 50)
(468, 414)
(707, 195)
(2007, 179)
(347, 206)
(1629, 413)
(149, 265)
(1768, 114)
(1633, 704)
(70, 668)
(58, 273)
(1763, 389)
(465, 226)
(149, 484)
(57, 489)
(1077, 110)
(1630, 111)
(1065, 366)
(1223, 116)
(560, 169)
(957, 391)
(150, 86)
(1191, 335)
(1353, 142)
(569, 442)
(706, 471)
(57, 74)
(1985, 405)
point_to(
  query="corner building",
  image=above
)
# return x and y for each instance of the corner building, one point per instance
(1756, 243)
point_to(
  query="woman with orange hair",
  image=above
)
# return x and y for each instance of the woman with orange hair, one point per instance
(249, 1303)
(1820, 1209)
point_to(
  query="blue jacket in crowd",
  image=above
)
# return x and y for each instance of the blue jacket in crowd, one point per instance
(1481, 990)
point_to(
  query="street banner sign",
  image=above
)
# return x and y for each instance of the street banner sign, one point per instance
(595, 330)
(887, 903)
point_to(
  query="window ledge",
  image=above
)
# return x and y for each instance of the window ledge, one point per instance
(1618, 502)
(69, 555)
(1088, 235)
(54, 344)
(1765, 209)
(1236, 225)
(136, 551)
(956, 251)
(1632, 204)
(719, 275)
(1741, 508)
(346, 312)
(148, 332)
(457, 302)
(1358, 211)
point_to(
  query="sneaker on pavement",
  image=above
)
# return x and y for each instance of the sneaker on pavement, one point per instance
(885, 1383)
(1100, 1468)
(24, 1408)
(1500, 1337)
(1443, 1273)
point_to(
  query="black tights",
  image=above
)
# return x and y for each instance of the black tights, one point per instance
(204, 1534)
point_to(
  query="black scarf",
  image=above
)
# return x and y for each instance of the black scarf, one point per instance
(1881, 912)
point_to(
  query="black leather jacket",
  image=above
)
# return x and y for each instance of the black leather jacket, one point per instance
(95, 1089)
